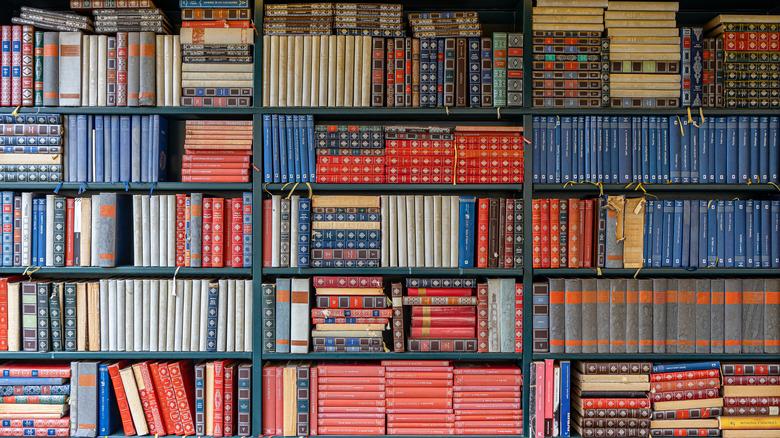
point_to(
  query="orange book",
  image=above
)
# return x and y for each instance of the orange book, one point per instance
(208, 159)
(352, 430)
(646, 298)
(322, 402)
(478, 405)
(226, 152)
(486, 394)
(418, 375)
(555, 247)
(497, 412)
(425, 369)
(430, 383)
(355, 387)
(488, 431)
(514, 415)
(488, 380)
(350, 409)
(168, 406)
(243, 24)
(183, 390)
(216, 178)
(146, 391)
(209, 144)
(206, 233)
(415, 363)
(602, 299)
(489, 424)
(419, 403)
(362, 422)
(215, 165)
(410, 418)
(347, 394)
(418, 392)
(199, 122)
(215, 170)
(483, 219)
(217, 232)
(348, 380)
(419, 430)
(121, 398)
(587, 230)
(350, 371)
(515, 399)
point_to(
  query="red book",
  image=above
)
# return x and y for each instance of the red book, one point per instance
(518, 317)
(217, 232)
(695, 394)
(206, 236)
(443, 311)
(351, 371)
(183, 388)
(216, 169)
(588, 232)
(207, 159)
(34, 370)
(482, 318)
(574, 234)
(442, 332)
(269, 395)
(684, 375)
(389, 73)
(536, 223)
(615, 403)
(444, 321)
(27, 66)
(5, 84)
(229, 401)
(545, 233)
(549, 392)
(148, 396)
(181, 230)
(215, 178)
(279, 401)
(682, 385)
(3, 314)
(438, 292)
(69, 235)
(509, 380)
(16, 65)
(237, 232)
(218, 400)
(121, 398)
(554, 233)
(168, 408)
(540, 393)
(483, 220)
(187, 226)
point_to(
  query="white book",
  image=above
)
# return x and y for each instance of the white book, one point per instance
(111, 310)
(332, 68)
(78, 227)
(298, 68)
(281, 71)
(94, 57)
(444, 262)
(393, 228)
(294, 199)
(176, 78)
(170, 319)
(171, 233)
(289, 70)
(230, 316)
(266, 70)
(49, 230)
(248, 315)
(167, 70)
(146, 242)
(410, 233)
(437, 231)
(154, 230)
(74, 373)
(222, 314)
(357, 73)
(195, 318)
(307, 71)
(276, 220)
(146, 302)
(129, 315)
(120, 315)
(401, 213)
(163, 231)
(454, 230)
(134, 400)
(231, 74)
(154, 314)
(314, 90)
(138, 314)
(428, 241)
(102, 79)
(159, 69)
(26, 228)
(365, 79)
(384, 212)
(273, 74)
(348, 68)
(419, 231)
(85, 67)
(178, 294)
(238, 339)
(138, 232)
(14, 319)
(494, 310)
(89, 216)
(299, 315)
(81, 315)
(322, 82)
(186, 326)
(204, 314)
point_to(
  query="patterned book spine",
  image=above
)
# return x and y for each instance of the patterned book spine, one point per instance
(246, 228)
(69, 304)
(390, 73)
(43, 317)
(200, 396)
(415, 54)
(244, 399)
(211, 318)
(181, 228)
(27, 65)
(499, 68)
(5, 81)
(541, 322)
(111, 70)
(6, 233)
(474, 73)
(514, 70)
(398, 317)
(269, 318)
(55, 317)
(377, 71)
(59, 231)
(461, 72)
(217, 232)
(605, 69)
(685, 66)
(236, 233)
(697, 66)
(302, 399)
(518, 317)
(450, 55)
(408, 72)
(304, 232)
(509, 235)
(164, 388)
(17, 234)
(483, 330)
(399, 67)
(486, 71)
(121, 68)
(180, 390)
(16, 65)
(38, 69)
(284, 233)
(442, 345)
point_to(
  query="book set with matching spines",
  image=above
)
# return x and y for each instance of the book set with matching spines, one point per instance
(751, 397)
(394, 397)
(656, 150)
(660, 315)
(693, 387)
(217, 151)
(31, 148)
(44, 316)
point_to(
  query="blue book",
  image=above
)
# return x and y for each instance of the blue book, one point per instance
(739, 234)
(303, 148)
(199, 381)
(614, 151)
(107, 133)
(743, 148)
(685, 153)
(211, 317)
(757, 234)
(581, 152)
(646, 152)
(247, 230)
(668, 234)
(703, 234)
(728, 224)
(625, 160)
(693, 245)
(565, 408)
(774, 154)
(98, 170)
(704, 153)
(282, 315)
(557, 157)
(763, 142)
(775, 228)
(659, 226)
(675, 141)
(125, 149)
(713, 155)
(606, 144)
(34, 232)
(597, 152)
(542, 140)
(135, 148)
(721, 150)
(636, 170)
(466, 232)
(552, 148)
(712, 234)
(721, 233)
(296, 148)
(41, 242)
(275, 156)
(693, 147)
(146, 148)
(749, 234)
(268, 175)
(310, 146)
(536, 129)
(685, 230)
(16, 70)
(27, 381)
(587, 146)
(108, 413)
(663, 145)
(689, 366)
(647, 248)
(732, 155)
(283, 161)
(304, 232)
(755, 153)
(291, 148)
(766, 236)
(82, 148)
(566, 158)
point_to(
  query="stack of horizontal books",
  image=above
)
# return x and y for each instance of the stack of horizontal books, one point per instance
(303, 18)
(685, 396)
(445, 24)
(374, 19)
(217, 151)
(751, 396)
(32, 148)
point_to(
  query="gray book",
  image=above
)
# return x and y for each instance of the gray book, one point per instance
(147, 95)
(196, 229)
(559, 325)
(686, 316)
(659, 315)
(42, 292)
(771, 316)
(106, 205)
(589, 316)
(69, 71)
(86, 425)
(632, 316)
(602, 288)
(732, 316)
(614, 246)
(752, 315)
(645, 316)
(507, 315)
(135, 148)
(73, 398)
(572, 313)
(283, 315)
(133, 68)
(51, 70)
(617, 315)
(672, 287)
(717, 315)
(703, 304)
(269, 318)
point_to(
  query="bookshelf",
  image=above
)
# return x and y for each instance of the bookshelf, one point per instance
(503, 15)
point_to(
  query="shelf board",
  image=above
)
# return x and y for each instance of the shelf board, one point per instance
(657, 188)
(394, 188)
(657, 357)
(118, 355)
(130, 187)
(397, 356)
(378, 113)
(658, 272)
(128, 271)
(395, 271)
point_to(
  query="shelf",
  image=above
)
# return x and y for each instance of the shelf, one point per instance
(658, 272)
(657, 357)
(128, 271)
(118, 355)
(396, 271)
(131, 187)
(379, 113)
(708, 112)
(395, 188)
(475, 357)
(657, 188)
(171, 111)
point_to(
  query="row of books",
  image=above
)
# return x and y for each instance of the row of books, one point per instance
(596, 399)
(126, 315)
(393, 230)
(620, 232)
(296, 150)
(372, 19)
(393, 397)
(364, 71)
(656, 150)
(657, 315)
(108, 19)
(217, 151)
(31, 148)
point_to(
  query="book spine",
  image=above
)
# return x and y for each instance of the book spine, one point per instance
(499, 69)
(16, 65)
(43, 335)
(111, 71)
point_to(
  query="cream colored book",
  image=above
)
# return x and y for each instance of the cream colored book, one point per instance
(179, 312)
(307, 71)
(162, 314)
(644, 93)
(218, 68)
(289, 399)
(648, 32)
(569, 19)
(85, 67)
(217, 36)
(159, 69)
(217, 83)
(688, 404)
(297, 69)
(346, 225)
(248, 315)
(411, 249)
(273, 84)
(146, 312)
(454, 230)
(769, 433)
(289, 69)
(428, 240)
(209, 398)
(333, 49)
(569, 27)
(346, 201)
(316, 53)
(751, 391)
(400, 210)
(154, 314)
(642, 56)
(384, 211)
(138, 314)
(650, 86)
(240, 308)
(633, 224)
(365, 77)
(195, 319)
(94, 55)
(644, 40)
(230, 317)
(282, 71)
(640, 23)
(567, 11)
(643, 48)
(357, 73)
(85, 245)
(639, 15)
(702, 423)
(171, 317)
(129, 319)
(134, 400)
(617, 78)
(267, 70)
(222, 314)
(610, 378)
(741, 18)
(349, 71)
(572, 3)
(322, 88)
(167, 68)
(224, 76)
(643, 6)
(437, 231)
(176, 78)
(341, 49)
(162, 233)
(613, 386)
(186, 308)
(93, 316)
(392, 212)
(81, 317)
(445, 232)
(419, 231)
(348, 333)
(14, 317)
(146, 243)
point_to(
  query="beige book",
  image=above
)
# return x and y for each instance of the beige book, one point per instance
(350, 291)
(567, 11)
(643, 6)
(93, 316)
(217, 36)
(650, 86)
(345, 201)
(282, 71)
(307, 71)
(216, 83)
(644, 40)
(741, 18)
(644, 56)
(318, 225)
(320, 85)
(33, 409)
(634, 225)
(644, 93)
(644, 77)
(340, 327)
(392, 228)
(85, 245)
(570, 27)
(750, 433)
(209, 398)
(289, 401)
(649, 32)
(688, 404)
(349, 71)
(176, 78)
(613, 386)
(226, 76)
(332, 69)
(701, 423)
(610, 378)
(267, 70)
(643, 48)
(640, 23)
(348, 333)
(29, 158)
(217, 69)
(85, 67)
(81, 316)
(14, 326)
(639, 15)
(436, 240)
(298, 70)
(159, 69)
(168, 70)
(273, 69)
(314, 88)
(357, 73)
(292, 43)
(365, 79)
(134, 401)
(569, 19)
(751, 391)
(573, 3)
